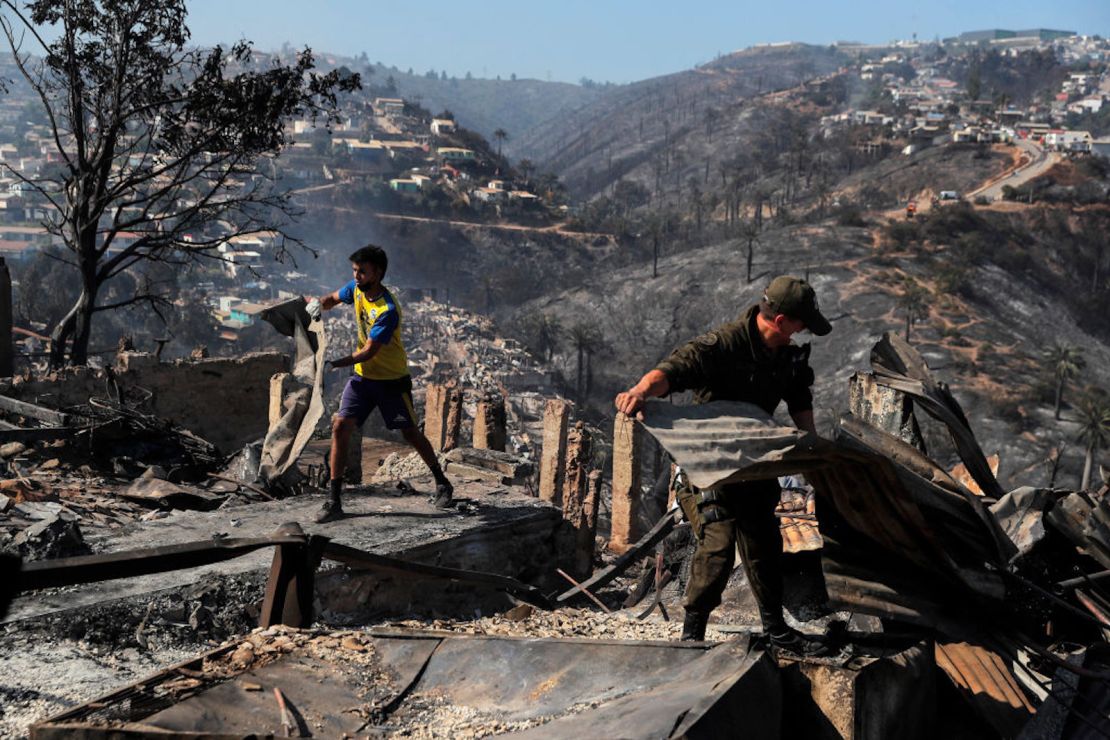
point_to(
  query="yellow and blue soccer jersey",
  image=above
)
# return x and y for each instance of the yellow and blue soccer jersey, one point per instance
(378, 319)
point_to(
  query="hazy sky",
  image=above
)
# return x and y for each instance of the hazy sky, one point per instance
(617, 40)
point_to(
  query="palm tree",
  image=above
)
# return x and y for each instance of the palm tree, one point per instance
(587, 340)
(500, 134)
(526, 167)
(547, 332)
(1066, 361)
(913, 302)
(1094, 431)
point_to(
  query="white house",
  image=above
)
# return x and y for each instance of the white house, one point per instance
(1068, 141)
(441, 126)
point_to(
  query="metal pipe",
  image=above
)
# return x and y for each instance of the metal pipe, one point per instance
(1084, 579)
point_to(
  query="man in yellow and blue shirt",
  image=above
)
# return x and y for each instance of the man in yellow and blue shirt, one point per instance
(381, 378)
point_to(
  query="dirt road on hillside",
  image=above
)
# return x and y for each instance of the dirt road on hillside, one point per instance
(1038, 162)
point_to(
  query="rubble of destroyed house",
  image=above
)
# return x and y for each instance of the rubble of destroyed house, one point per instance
(448, 345)
(159, 515)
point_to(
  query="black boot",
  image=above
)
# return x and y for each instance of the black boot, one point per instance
(332, 510)
(444, 495)
(693, 626)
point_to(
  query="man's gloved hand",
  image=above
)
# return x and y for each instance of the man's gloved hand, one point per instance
(314, 309)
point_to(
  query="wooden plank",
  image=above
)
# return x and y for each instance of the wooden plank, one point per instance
(33, 411)
(661, 529)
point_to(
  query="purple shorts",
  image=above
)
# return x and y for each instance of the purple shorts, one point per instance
(393, 398)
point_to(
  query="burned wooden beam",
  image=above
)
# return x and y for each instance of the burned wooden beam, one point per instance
(291, 584)
(34, 411)
(130, 563)
(661, 529)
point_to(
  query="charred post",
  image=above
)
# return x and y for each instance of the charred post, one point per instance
(489, 424)
(435, 415)
(453, 424)
(553, 455)
(627, 446)
(576, 505)
(290, 586)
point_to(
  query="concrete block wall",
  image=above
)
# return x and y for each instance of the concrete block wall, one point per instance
(224, 400)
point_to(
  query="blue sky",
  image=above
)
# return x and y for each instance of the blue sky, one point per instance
(617, 40)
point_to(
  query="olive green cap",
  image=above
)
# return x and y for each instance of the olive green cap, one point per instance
(796, 299)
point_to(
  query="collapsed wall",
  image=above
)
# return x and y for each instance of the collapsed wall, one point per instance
(223, 400)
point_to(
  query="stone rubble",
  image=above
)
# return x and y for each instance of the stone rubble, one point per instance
(566, 622)
(447, 344)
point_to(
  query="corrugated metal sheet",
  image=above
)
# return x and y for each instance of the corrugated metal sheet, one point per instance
(886, 507)
(985, 680)
(721, 439)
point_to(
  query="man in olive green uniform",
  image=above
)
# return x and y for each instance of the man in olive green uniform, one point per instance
(751, 359)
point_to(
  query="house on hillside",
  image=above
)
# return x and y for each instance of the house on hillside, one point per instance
(490, 195)
(441, 126)
(1101, 148)
(524, 198)
(456, 154)
(1091, 104)
(389, 107)
(367, 151)
(1033, 130)
(238, 264)
(1068, 141)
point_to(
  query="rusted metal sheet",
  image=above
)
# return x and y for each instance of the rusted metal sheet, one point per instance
(167, 495)
(533, 687)
(963, 477)
(1020, 514)
(726, 441)
(984, 679)
(893, 510)
(798, 522)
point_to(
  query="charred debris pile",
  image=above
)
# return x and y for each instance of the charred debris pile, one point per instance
(991, 604)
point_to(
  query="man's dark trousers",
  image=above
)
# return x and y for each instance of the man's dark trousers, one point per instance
(744, 514)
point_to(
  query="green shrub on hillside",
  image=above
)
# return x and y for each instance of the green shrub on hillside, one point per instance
(904, 233)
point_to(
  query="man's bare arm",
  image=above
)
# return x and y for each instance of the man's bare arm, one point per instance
(368, 350)
(329, 301)
(804, 421)
(652, 385)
